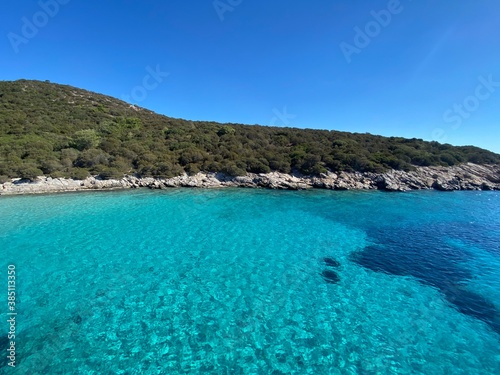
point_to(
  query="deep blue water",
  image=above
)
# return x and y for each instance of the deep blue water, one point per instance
(254, 282)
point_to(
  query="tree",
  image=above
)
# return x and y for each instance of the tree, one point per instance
(78, 173)
(225, 129)
(91, 158)
(233, 170)
(85, 139)
(29, 172)
(110, 173)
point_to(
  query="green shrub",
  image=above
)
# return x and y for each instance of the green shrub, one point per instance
(192, 169)
(92, 158)
(29, 172)
(85, 139)
(257, 166)
(280, 165)
(233, 170)
(166, 170)
(225, 129)
(79, 173)
(50, 166)
(109, 173)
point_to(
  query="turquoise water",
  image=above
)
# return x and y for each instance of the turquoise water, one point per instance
(230, 282)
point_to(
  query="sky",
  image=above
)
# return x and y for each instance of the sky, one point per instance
(418, 69)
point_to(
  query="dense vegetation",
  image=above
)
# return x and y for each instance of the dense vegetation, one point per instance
(63, 131)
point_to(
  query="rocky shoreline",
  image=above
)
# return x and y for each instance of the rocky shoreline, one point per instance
(463, 177)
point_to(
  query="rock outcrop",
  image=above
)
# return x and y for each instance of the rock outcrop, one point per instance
(462, 177)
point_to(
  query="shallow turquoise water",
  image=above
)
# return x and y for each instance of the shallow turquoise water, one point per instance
(229, 282)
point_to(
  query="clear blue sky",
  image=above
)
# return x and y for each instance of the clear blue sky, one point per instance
(249, 61)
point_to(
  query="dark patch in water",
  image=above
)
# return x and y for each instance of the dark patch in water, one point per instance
(473, 304)
(425, 255)
(330, 276)
(4, 345)
(77, 319)
(474, 234)
(331, 262)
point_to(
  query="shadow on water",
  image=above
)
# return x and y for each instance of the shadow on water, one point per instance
(424, 254)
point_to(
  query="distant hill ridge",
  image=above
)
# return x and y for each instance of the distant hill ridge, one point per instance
(62, 131)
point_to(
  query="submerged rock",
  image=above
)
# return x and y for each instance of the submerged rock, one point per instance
(77, 319)
(330, 276)
(331, 262)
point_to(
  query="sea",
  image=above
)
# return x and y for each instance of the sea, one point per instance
(248, 281)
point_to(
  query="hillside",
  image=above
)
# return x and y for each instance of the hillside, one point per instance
(63, 131)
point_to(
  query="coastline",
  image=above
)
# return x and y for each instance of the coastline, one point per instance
(461, 177)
